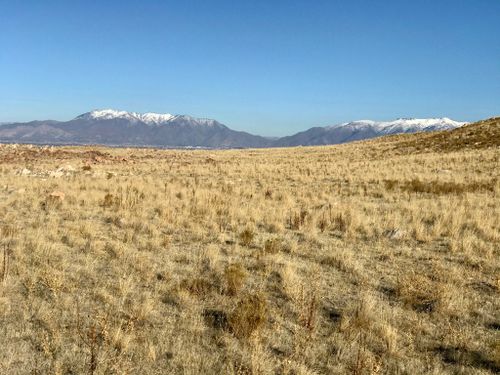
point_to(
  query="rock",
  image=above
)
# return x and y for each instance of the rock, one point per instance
(56, 174)
(24, 172)
(66, 170)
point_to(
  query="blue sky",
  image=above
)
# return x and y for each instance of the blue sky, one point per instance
(268, 67)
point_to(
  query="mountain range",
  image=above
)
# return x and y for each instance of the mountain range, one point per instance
(121, 128)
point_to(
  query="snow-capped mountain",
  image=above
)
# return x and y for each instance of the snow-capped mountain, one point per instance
(149, 118)
(365, 129)
(114, 127)
(403, 125)
(111, 114)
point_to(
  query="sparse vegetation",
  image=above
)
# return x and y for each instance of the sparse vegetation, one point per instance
(249, 315)
(246, 237)
(370, 257)
(235, 277)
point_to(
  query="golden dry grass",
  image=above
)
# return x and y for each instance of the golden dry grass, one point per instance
(325, 260)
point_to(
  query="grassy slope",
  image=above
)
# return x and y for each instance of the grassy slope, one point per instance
(371, 257)
(480, 135)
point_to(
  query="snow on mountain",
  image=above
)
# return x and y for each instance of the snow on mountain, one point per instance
(193, 120)
(414, 125)
(149, 118)
(113, 127)
(358, 124)
(155, 118)
(401, 125)
(365, 129)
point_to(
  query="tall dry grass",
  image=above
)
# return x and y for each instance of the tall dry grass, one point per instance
(345, 259)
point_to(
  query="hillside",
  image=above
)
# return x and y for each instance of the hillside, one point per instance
(369, 257)
(478, 135)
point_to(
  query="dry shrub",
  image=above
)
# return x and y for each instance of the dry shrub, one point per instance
(108, 201)
(390, 184)
(322, 223)
(309, 311)
(341, 222)
(297, 219)
(419, 292)
(215, 318)
(234, 276)
(198, 286)
(273, 246)
(246, 237)
(249, 315)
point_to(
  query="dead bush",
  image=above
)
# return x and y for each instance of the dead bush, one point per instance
(341, 222)
(419, 292)
(234, 276)
(249, 315)
(246, 237)
(273, 246)
(198, 286)
(297, 219)
(108, 201)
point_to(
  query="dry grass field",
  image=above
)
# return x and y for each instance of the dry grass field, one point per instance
(378, 257)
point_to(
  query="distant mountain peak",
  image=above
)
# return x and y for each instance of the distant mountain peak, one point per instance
(365, 129)
(404, 124)
(149, 118)
(115, 127)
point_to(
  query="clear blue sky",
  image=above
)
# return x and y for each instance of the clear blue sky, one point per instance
(269, 67)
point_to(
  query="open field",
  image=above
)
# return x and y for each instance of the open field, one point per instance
(365, 258)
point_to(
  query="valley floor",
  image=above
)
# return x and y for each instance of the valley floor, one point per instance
(356, 258)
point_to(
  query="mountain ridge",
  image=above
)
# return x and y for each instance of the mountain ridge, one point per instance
(123, 128)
